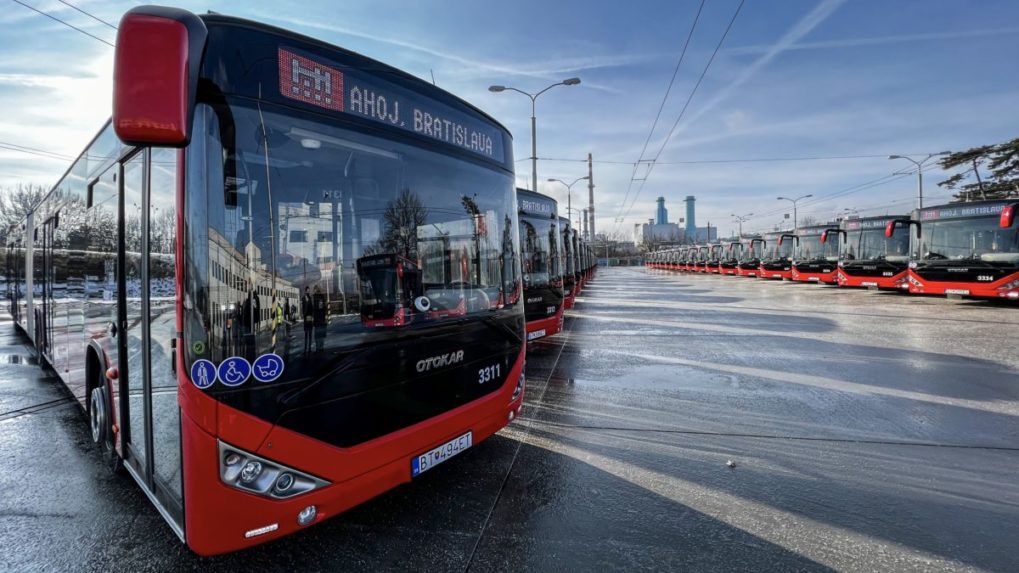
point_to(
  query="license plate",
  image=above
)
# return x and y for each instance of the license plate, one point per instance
(868, 284)
(751, 274)
(813, 279)
(956, 291)
(535, 334)
(431, 458)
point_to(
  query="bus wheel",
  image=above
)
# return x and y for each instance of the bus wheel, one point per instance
(102, 432)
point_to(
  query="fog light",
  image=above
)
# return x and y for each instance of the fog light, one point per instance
(307, 515)
(232, 459)
(251, 471)
(284, 483)
(512, 415)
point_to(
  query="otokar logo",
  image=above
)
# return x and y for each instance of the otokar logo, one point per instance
(441, 360)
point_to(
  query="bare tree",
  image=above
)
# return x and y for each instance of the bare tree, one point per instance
(16, 201)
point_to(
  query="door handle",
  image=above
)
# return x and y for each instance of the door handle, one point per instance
(113, 329)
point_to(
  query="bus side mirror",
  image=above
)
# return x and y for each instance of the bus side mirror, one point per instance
(780, 241)
(155, 75)
(824, 236)
(890, 229)
(1008, 216)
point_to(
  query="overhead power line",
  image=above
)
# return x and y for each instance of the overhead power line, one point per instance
(665, 98)
(69, 25)
(733, 160)
(89, 14)
(686, 105)
(34, 151)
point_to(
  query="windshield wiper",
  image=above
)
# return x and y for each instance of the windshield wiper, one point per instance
(934, 256)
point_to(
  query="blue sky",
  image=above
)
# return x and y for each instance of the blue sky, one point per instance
(794, 78)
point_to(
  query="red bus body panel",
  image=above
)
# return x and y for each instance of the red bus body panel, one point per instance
(920, 285)
(894, 282)
(551, 325)
(826, 278)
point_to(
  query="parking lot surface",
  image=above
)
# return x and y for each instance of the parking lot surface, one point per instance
(679, 423)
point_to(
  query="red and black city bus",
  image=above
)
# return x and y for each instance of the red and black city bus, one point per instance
(217, 278)
(867, 258)
(776, 257)
(541, 259)
(749, 262)
(578, 262)
(570, 286)
(730, 258)
(968, 249)
(814, 260)
(714, 257)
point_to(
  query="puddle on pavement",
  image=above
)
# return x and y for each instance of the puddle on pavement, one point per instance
(18, 359)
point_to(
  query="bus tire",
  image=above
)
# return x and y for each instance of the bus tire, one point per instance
(101, 424)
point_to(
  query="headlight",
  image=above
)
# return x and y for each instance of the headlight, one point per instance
(1010, 285)
(521, 382)
(247, 472)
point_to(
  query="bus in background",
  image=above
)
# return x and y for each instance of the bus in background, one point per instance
(578, 271)
(814, 260)
(730, 258)
(749, 262)
(776, 257)
(867, 258)
(967, 249)
(222, 276)
(570, 264)
(713, 258)
(541, 261)
(701, 263)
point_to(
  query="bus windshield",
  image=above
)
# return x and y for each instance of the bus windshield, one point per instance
(774, 250)
(308, 222)
(972, 239)
(812, 249)
(539, 251)
(872, 245)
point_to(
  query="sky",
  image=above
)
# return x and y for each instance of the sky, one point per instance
(849, 81)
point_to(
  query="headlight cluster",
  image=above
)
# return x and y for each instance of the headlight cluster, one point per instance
(248, 472)
(520, 387)
(1010, 285)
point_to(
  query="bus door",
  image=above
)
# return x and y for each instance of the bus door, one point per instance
(46, 274)
(150, 415)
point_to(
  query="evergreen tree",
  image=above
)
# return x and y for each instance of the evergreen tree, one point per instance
(1000, 177)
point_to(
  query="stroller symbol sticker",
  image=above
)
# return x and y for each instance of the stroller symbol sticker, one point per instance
(267, 367)
(234, 371)
(203, 373)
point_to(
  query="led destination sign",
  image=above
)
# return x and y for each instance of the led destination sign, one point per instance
(532, 207)
(962, 210)
(857, 224)
(314, 83)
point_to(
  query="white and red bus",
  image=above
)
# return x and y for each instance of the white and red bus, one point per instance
(541, 255)
(966, 249)
(814, 259)
(867, 258)
(283, 280)
(776, 256)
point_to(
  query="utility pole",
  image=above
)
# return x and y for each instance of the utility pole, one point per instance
(590, 197)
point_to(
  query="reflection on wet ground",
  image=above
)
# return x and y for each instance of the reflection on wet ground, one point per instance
(679, 423)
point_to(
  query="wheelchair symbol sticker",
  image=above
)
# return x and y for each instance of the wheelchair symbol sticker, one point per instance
(267, 367)
(234, 371)
(203, 373)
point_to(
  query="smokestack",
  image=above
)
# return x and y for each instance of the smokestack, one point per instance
(691, 225)
(662, 215)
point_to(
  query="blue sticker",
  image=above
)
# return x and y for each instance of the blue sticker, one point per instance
(203, 373)
(267, 367)
(234, 371)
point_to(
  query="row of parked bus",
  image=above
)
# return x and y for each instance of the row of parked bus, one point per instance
(555, 260)
(968, 249)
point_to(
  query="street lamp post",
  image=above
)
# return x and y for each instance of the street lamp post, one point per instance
(569, 194)
(795, 224)
(919, 172)
(534, 134)
(741, 219)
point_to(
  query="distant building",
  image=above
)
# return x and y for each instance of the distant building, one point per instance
(704, 235)
(662, 214)
(657, 233)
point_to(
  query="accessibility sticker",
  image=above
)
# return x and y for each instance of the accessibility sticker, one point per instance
(267, 367)
(203, 373)
(234, 371)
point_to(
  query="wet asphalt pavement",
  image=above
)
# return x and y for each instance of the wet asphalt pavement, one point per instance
(869, 431)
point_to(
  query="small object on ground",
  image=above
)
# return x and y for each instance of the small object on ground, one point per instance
(731, 464)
